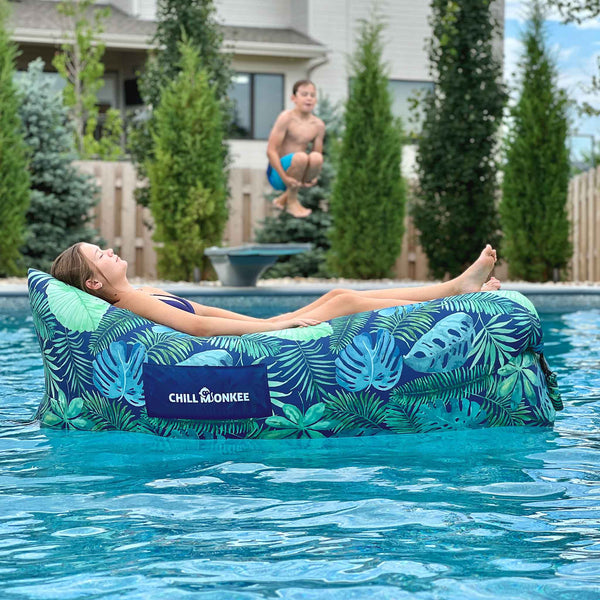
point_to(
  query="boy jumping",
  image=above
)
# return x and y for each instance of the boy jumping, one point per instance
(290, 166)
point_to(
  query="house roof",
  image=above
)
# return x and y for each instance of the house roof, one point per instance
(38, 22)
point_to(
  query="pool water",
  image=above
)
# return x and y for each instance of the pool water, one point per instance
(508, 513)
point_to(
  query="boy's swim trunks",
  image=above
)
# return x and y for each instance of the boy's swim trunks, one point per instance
(273, 175)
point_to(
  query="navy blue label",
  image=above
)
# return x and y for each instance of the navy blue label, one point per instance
(207, 392)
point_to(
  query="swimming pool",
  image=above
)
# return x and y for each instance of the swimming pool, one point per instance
(490, 513)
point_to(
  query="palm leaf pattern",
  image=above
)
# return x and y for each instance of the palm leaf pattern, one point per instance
(402, 418)
(304, 368)
(255, 345)
(42, 315)
(345, 329)
(116, 324)
(484, 303)
(356, 414)
(500, 338)
(106, 414)
(476, 382)
(460, 362)
(407, 323)
(163, 348)
(70, 358)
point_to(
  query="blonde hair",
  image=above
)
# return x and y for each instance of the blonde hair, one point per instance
(73, 268)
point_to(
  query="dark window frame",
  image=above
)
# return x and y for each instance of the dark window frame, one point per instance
(252, 75)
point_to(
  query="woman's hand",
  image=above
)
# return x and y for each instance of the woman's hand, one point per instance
(296, 322)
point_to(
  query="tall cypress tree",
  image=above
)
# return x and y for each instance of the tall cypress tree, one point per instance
(61, 196)
(368, 200)
(536, 175)
(188, 183)
(455, 209)
(192, 21)
(14, 179)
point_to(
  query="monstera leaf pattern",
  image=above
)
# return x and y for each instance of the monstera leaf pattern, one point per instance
(75, 309)
(460, 362)
(445, 347)
(362, 364)
(118, 372)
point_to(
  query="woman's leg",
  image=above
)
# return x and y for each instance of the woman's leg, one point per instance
(349, 304)
(471, 280)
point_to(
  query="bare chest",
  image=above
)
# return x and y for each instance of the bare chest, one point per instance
(302, 132)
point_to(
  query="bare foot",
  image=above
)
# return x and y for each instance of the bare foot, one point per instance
(281, 201)
(297, 210)
(477, 274)
(491, 285)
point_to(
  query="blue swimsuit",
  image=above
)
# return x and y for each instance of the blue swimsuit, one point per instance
(176, 302)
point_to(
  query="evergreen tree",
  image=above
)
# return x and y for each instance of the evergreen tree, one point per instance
(14, 180)
(192, 21)
(536, 175)
(314, 228)
(368, 199)
(61, 196)
(80, 63)
(188, 182)
(455, 209)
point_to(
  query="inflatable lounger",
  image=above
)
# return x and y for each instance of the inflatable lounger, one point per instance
(466, 361)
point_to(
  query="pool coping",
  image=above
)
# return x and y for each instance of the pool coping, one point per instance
(310, 289)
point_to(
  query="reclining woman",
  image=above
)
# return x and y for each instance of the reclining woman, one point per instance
(103, 274)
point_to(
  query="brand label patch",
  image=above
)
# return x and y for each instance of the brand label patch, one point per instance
(206, 392)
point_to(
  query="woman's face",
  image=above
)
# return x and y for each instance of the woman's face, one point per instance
(106, 264)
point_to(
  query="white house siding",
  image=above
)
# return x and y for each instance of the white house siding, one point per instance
(252, 154)
(336, 23)
(142, 9)
(255, 13)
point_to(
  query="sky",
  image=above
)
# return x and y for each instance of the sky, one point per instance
(575, 49)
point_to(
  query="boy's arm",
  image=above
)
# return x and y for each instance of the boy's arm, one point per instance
(274, 144)
(318, 143)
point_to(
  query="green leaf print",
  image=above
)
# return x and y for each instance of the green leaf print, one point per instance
(345, 329)
(460, 414)
(520, 380)
(108, 414)
(355, 413)
(472, 381)
(304, 368)
(43, 319)
(66, 415)
(408, 323)
(299, 334)
(294, 424)
(73, 308)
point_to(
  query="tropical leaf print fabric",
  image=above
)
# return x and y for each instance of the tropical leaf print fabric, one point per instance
(467, 361)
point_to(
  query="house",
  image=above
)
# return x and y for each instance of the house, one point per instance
(273, 43)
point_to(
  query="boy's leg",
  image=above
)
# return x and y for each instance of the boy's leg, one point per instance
(315, 164)
(297, 170)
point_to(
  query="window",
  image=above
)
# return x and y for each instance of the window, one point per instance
(257, 100)
(402, 92)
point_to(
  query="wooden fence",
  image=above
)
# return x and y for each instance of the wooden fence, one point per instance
(127, 227)
(584, 214)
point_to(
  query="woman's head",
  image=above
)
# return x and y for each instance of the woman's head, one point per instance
(88, 268)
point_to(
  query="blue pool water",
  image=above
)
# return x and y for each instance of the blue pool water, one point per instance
(496, 513)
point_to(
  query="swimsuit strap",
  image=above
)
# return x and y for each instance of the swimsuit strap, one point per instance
(176, 302)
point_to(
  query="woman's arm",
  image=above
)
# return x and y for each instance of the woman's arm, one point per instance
(203, 326)
(202, 310)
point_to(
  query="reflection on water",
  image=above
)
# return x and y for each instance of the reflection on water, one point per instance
(491, 513)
